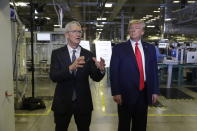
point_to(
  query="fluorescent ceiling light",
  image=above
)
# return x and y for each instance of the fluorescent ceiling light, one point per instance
(22, 4)
(99, 25)
(56, 25)
(149, 15)
(48, 18)
(108, 5)
(168, 19)
(99, 29)
(154, 37)
(36, 17)
(156, 11)
(103, 22)
(101, 18)
(176, 1)
(26, 29)
(150, 26)
(191, 1)
(36, 12)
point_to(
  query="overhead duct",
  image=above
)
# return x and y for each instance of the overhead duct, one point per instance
(117, 9)
(69, 8)
(175, 25)
(170, 28)
(75, 11)
(186, 15)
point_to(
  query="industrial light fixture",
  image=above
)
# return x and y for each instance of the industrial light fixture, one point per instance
(56, 25)
(149, 15)
(150, 26)
(36, 12)
(176, 1)
(108, 5)
(48, 18)
(99, 25)
(191, 1)
(26, 29)
(21, 4)
(101, 18)
(156, 11)
(168, 19)
(99, 29)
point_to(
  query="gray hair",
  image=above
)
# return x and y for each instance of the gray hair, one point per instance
(136, 22)
(69, 24)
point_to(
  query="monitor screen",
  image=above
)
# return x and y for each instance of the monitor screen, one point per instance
(43, 36)
(162, 45)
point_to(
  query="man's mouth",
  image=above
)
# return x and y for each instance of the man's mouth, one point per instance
(78, 38)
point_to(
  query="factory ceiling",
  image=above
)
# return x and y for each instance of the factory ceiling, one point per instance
(95, 17)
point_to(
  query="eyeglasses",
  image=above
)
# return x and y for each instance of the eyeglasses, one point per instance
(135, 28)
(76, 31)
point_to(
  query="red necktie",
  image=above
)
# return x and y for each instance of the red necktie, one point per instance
(140, 65)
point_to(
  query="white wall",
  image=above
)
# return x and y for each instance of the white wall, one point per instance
(7, 122)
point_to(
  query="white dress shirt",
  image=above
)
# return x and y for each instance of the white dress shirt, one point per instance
(77, 53)
(142, 53)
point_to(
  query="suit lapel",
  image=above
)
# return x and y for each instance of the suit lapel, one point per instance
(65, 57)
(129, 48)
(82, 53)
(145, 48)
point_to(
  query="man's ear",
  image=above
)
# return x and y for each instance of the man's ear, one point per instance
(66, 35)
(142, 33)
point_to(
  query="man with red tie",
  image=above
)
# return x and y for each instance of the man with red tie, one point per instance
(134, 80)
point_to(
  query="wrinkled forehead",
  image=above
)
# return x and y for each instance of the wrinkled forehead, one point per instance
(139, 25)
(75, 27)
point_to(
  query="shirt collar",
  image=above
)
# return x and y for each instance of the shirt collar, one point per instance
(70, 49)
(133, 42)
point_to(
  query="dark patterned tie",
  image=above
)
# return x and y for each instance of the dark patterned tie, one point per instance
(73, 59)
(74, 97)
(73, 56)
(140, 65)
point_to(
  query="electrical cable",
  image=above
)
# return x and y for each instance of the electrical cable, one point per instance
(16, 13)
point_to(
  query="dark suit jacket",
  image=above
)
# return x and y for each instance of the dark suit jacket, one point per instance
(124, 73)
(66, 82)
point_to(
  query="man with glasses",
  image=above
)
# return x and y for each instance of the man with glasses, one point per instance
(134, 80)
(70, 68)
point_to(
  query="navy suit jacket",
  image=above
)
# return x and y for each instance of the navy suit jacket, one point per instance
(66, 82)
(124, 73)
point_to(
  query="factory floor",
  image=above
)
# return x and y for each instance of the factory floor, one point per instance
(168, 115)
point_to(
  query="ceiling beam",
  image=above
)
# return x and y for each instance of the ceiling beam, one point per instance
(117, 9)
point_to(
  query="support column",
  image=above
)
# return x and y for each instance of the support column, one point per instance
(7, 122)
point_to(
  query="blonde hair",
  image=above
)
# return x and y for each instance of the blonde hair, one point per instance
(136, 22)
